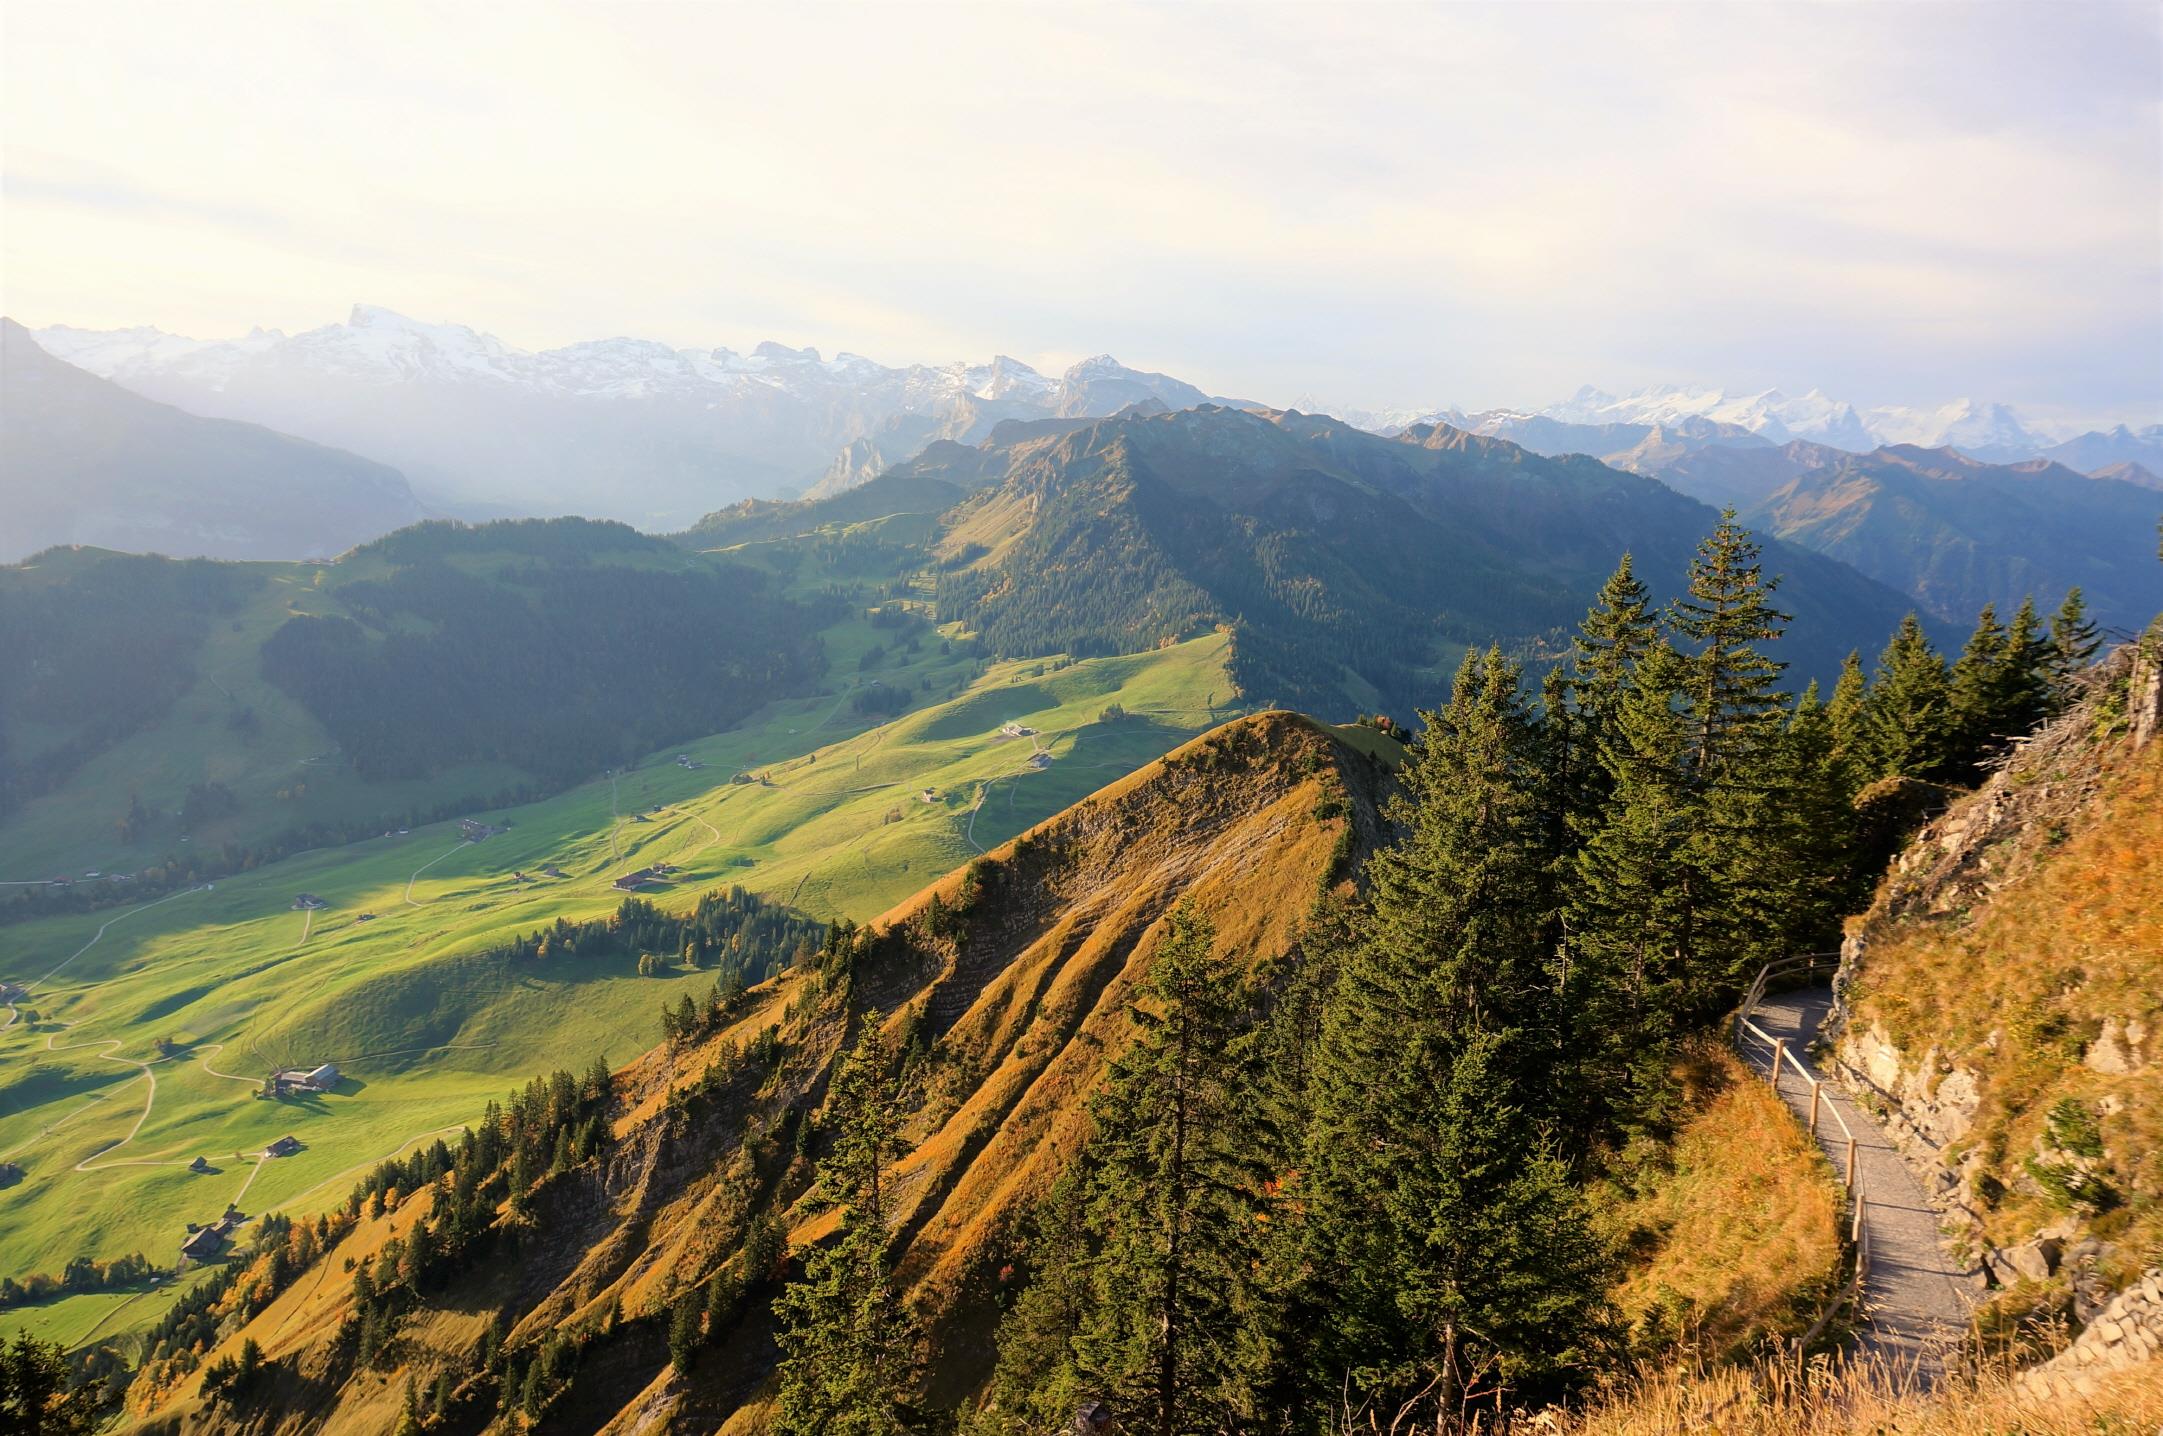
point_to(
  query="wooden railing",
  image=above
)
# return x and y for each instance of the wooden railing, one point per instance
(1803, 970)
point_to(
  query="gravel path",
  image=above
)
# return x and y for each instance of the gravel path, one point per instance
(1916, 1297)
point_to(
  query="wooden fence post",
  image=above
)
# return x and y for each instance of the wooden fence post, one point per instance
(1851, 1170)
(1779, 1051)
(1815, 1088)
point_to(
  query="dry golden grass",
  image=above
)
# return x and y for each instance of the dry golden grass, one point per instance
(1738, 1236)
(2020, 989)
(1776, 1398)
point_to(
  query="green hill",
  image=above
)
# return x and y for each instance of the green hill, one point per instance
(205, 717)
(1351, 569)
(811, 804)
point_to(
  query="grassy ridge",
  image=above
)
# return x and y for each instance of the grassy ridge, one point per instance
(426, 1028)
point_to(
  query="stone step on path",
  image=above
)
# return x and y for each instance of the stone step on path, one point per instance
(1916, 1295)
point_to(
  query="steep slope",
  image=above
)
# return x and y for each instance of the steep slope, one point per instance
(87, 462)
(1958, 533)
(1014, 972)
(2003, 998)
(1349, 567)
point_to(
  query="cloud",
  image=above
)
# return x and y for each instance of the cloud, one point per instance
(1386, 203)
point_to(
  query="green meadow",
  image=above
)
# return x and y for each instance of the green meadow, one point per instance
(809, 803)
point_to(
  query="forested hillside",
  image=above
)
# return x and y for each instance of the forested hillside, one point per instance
(1957, 533)
(558, 648)
(1210, 1099)
(200, 718)
(96, 646)
(1353, 570)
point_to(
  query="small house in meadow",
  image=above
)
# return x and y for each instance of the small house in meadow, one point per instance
(203, 1243)
(284, 1147)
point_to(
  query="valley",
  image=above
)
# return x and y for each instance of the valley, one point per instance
(810, 805)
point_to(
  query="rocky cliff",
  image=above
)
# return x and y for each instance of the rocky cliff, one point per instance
(2002, 1004)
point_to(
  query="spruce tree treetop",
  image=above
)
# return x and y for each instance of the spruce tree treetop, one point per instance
(1722, 621)
(2074, 640)
(1617, 632)
(1910, 714)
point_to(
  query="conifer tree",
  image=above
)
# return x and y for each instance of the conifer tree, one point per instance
(1724, 625)
(1978, 679)
(1640, 892)
(1847, 718)
(2023, 696)
(1438, 1038)
(1721, 624)
(847, 1345)
(1617, 634)
(2074, 642)
(1910, 713)
(1819, 879)
(1169, 1335)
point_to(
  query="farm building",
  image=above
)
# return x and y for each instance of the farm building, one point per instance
(199, 1165)
(203, 1243)
(284, 1147)
(633, 882)
(308, 902)
(313, 1079)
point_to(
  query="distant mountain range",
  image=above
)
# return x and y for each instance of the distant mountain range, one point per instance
(1608, 422)
(87, 462)
(626, 429)
(654, 435)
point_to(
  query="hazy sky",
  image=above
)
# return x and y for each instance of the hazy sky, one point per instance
(1375, 203)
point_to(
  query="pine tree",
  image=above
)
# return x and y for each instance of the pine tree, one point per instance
(1174, 1191)
(1818, 881)
(2023, 697)
(1721, 624)
(1496, 1273)
(1910, 712)
(686, 1325)
(1847, 716)
(1617, 634)
(1637, 905)
(1446, 973)
(847, 1345)
(2074, 642)
(1978, 680)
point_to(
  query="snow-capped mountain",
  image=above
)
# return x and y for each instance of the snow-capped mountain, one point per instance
(1980, 430)
(1771, 414)
(619, 428)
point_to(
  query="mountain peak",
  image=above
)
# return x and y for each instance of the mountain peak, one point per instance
(768, 349)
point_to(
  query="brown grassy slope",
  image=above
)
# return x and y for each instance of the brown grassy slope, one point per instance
(1774, 1399)
(1026, 1002)
(1735, 1233)
(2007, 967)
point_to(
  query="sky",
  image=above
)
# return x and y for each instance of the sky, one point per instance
(1370, 204)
